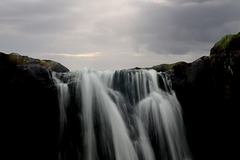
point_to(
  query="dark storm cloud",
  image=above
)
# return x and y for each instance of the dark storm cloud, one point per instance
(183, 28)
(34, 16)
(29, 26)
(70, 26)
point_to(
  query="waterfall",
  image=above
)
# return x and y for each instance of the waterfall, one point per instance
(119, 115)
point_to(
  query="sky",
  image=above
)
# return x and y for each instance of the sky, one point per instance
(115, 34)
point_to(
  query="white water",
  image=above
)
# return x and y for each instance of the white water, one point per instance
(122, 115)
(63, 97)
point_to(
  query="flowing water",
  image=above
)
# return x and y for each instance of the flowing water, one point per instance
(119, 115)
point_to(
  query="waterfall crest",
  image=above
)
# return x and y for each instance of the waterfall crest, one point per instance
(119, 115)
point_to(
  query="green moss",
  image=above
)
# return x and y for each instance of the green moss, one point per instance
(45, 64)
(17, 60)
(226, 44)
(161, 67)
(182, 64)
(212, 59)
(179, 66)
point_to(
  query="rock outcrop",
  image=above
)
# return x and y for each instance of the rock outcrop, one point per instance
(208, 90)
(226, 45)
(19, 60)
(29, 109)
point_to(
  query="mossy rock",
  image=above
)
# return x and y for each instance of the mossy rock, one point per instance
(227, 44)
(161, 67)
(55, 66)
(17, 59)
(178, 66)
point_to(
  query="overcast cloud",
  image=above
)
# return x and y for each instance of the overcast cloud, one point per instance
(115, 34)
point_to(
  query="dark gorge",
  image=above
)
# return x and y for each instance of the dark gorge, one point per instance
(180, 111)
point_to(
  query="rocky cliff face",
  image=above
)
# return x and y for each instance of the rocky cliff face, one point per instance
(208, 90)
(19, 60)
(29, 107)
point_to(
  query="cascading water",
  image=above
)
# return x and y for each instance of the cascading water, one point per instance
(119, 115)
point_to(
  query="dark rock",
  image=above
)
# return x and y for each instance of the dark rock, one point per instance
(18, 59)
(166, 67)
(208, 90)
(55, 66)
(29, 108)
(226, 44)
